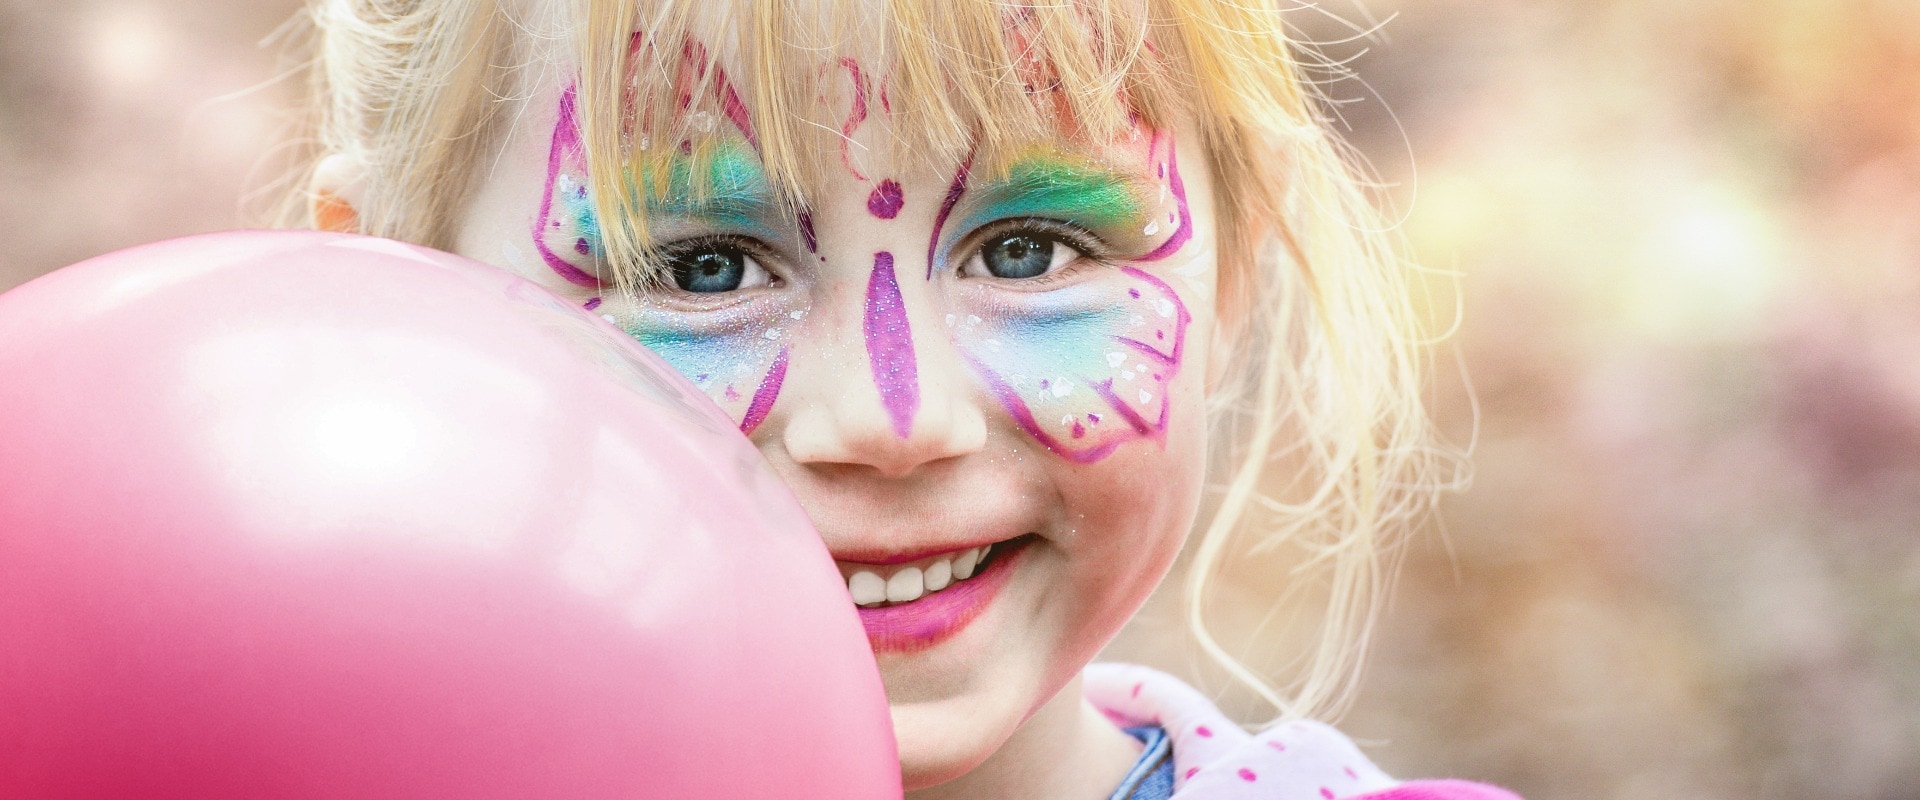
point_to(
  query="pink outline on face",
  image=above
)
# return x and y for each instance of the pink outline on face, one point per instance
(855, 115)
(890, 346)
(956, 189)
(1086, 368)
(720, 360)
(1082, 374)
(566, 182)
(765, 394)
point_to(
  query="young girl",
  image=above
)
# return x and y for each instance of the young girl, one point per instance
(997, 287)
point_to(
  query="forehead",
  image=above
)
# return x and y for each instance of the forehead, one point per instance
(896, 85)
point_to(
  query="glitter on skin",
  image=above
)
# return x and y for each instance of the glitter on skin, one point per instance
(738, 360)
(1052, 184)
(886, 200)
(576, 221)
(890, 346)
(1170, 171)
(764, 396)
(1086, 368)
(1075, 368)
(733, 362)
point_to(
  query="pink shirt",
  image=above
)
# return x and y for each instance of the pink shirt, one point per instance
(1214, 759)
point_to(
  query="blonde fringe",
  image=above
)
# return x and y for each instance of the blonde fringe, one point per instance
(1331, 451)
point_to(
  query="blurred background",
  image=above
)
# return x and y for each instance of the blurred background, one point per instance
(1688, 235)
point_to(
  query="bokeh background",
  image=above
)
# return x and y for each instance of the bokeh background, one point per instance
(1687, 234)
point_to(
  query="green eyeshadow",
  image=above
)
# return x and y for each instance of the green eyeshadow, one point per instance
(1047, 185)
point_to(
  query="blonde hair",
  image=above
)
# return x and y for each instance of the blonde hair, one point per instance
(1330, 450)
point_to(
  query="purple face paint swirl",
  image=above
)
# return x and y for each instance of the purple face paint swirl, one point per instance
(955, 190)
(886, 200)
(890, 346)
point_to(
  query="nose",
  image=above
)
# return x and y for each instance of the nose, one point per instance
(890, 393)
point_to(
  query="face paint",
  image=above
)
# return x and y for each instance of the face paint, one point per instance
(807, 236)
(566, 232)
(566, 222)
(1083, 369)
(956, 189)
(1050, 185)
(890, 346)
(886, 200)
(1181, 216)
(738, 357)
(856, 114)
(1118, 204)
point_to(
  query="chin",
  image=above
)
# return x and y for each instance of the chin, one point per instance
(940, 741)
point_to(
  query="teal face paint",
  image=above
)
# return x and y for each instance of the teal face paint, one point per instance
(738, 356)
(1086, 367)
(731, 192)
(1083, 369)
(1057, 186)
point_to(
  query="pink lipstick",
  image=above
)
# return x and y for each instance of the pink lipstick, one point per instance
(935, 617)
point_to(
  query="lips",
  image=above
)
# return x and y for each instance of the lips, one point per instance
(913, 605)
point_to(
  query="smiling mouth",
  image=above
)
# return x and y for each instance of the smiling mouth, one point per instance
(912, 605)
(883, 586)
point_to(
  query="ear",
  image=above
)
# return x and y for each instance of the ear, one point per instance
(335, 193)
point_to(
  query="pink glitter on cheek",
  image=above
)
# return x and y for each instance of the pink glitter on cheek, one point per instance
(1083, 369)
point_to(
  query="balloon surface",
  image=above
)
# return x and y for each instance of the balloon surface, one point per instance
(303, 515)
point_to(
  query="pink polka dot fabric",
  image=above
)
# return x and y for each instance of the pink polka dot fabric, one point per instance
(1214, 759)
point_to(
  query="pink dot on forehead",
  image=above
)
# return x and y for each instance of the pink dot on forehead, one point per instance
(886, 200)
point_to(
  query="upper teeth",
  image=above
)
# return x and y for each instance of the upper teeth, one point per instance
(868, 587)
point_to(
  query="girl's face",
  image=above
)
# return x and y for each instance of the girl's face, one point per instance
(986, 390)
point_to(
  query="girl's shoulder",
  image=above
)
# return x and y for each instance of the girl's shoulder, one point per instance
(1214, 759)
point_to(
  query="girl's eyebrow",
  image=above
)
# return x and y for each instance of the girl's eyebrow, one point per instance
(732, 185)
(1095, 193)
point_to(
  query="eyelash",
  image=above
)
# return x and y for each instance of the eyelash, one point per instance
(752, 248)
(1083, 241)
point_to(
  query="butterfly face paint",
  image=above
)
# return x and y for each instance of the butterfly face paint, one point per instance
(736, 354)
(1086, 367)
(738, 357)
(890, 346)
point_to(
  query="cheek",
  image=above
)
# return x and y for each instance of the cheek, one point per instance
(1085, 369)
(740, 362)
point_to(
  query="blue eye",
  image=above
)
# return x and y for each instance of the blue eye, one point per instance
(715, 268)
(1021, 254)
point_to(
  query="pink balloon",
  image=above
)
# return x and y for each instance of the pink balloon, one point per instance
(324, 516)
